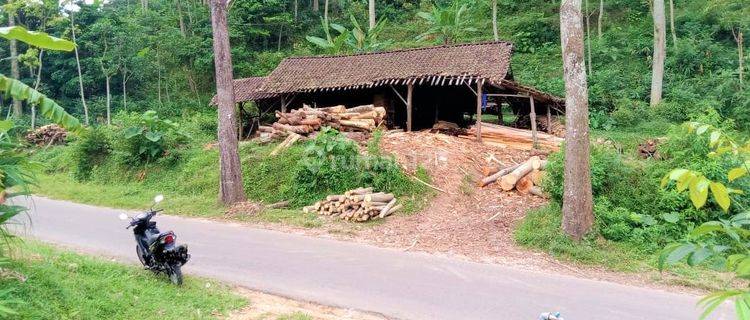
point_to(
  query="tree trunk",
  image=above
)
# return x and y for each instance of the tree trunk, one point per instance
(183, 30)
(660, 52)
(371, 12)
(124, 91)
(15, 73)
(109, 100)
(588, 36)
(315, 5)
(36, 87)
(296, 10)
(494, 20)
(80, 77)
(230, 183)
(671, 22)
(578, 216)
(325, 12)
(599, 19)
(738, 37)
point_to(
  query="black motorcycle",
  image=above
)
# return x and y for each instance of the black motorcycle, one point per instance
(156, 250)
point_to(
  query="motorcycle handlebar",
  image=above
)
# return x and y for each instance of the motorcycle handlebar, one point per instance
(151, 213)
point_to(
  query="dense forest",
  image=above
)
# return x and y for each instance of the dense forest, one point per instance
(137, 56)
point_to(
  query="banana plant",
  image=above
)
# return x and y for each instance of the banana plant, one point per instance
(356, 40)
(446, 24)
(18, 90)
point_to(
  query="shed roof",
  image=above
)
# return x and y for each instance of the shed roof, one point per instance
(487, 61)
(248, 89)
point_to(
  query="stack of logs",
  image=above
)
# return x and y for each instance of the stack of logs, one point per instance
(47, 135)
(357, 205)
(526, 177)
(502, 136)
(307, 120)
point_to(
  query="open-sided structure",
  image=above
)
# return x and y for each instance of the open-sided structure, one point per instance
(416, 86)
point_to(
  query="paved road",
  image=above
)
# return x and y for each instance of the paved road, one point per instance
(397, 284)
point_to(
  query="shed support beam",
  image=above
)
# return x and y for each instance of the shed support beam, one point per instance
(532, 116)
(283, 104)
(399, 95)
(500, 120)
(479, 111)
(409, 97)
(549, 119)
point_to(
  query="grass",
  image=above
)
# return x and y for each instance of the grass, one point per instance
(64, 285)
(540, 230)
(190, 184)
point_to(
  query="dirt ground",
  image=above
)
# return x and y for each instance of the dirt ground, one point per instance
(465, 221)
(263, 306)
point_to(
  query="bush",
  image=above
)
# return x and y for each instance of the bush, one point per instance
(331, 164)
(628, 112)
(147, 138)
(90, 150)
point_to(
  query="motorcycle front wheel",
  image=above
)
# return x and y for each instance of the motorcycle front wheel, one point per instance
(175, 274)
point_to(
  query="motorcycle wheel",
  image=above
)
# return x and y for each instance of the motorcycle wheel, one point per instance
(175, 274)
(140, 254)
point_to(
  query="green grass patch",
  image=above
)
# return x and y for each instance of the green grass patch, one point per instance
(541, 230)
(64, 285)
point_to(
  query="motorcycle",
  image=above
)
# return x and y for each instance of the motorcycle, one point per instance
(157, 250)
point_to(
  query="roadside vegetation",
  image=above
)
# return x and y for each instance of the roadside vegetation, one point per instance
(42, 282)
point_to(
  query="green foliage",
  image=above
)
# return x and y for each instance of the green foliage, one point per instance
(723, 240)
(91, 149)
(37, 39)
(149, 137)
(47, 107)
(447, 24)
(355, 40)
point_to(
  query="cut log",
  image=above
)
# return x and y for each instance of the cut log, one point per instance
(537, 191)
(392, 211)
(387, 208)
(291, 139)
(524, 184)
(490, 170)
(497, 175)
(508, 181)
(537, 176)
(378, 197)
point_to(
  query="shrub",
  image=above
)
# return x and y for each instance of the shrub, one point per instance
(90, 150)
(628, 112)
(148, 138)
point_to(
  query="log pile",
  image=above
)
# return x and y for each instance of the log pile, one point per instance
(358, 205)
(502, 136)
(525, 177)
(306, 120)
(649, 149)
(555, 128)
(47, 135)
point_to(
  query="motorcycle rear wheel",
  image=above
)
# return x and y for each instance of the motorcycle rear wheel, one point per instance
(140, 254)
(175, 274)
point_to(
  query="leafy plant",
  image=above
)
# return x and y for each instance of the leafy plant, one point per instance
(355, 40)
(147, 138)
(90, 150)
(724, 240)
(447, 24)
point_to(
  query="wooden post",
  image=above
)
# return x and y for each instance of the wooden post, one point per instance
(283, 104)
(532, 116)
(549, 119)
(409, 94)
(500, 120)
(239, 121)
(479, 111)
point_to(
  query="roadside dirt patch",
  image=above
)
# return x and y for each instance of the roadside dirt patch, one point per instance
(263, 306)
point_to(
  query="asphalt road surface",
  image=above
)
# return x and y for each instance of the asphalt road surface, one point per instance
(393, 283)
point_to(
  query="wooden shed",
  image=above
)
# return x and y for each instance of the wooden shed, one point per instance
(416, 86)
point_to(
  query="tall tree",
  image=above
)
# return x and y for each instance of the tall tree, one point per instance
(578, 216)
(14, 70)
(371, 11)
(78, 65)
(671, 23)
(230, 181)
(325, 10)
(315, 5)
(660, 52)
(588, 35)
(599, 20)
(494, 20)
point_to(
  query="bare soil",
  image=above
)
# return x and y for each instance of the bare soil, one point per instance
(263, 306)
